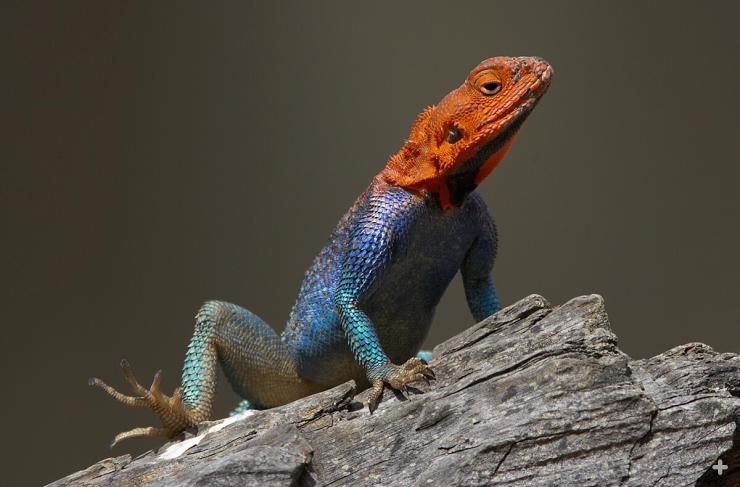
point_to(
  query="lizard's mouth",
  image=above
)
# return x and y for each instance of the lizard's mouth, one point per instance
(467, 176)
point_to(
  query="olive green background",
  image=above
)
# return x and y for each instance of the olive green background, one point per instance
(158, 154)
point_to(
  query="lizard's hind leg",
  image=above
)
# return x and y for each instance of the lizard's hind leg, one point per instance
(257, 363)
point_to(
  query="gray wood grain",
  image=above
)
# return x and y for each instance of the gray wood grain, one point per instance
(532, 396)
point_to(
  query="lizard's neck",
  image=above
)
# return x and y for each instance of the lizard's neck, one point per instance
(407, 170)
(406, 173)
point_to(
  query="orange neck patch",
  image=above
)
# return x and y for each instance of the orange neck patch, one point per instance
(493, 161)
(411, 175)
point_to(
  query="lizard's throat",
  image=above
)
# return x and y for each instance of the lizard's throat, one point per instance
(458, 184)
(453, 187)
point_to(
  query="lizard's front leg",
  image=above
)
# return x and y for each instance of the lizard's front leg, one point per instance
(367, 350)
(378, 231)
(477, 265)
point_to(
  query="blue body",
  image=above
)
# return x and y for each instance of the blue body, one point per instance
(371, 293)
(368, 299)
(366, 302)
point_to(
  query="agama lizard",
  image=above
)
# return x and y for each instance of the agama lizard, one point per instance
(367, 301)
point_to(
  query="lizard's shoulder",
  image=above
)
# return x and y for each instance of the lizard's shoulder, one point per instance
(383, 201)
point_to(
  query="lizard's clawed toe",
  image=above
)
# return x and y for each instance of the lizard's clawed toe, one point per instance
(399, 378)
(144, 431)
(174, 415)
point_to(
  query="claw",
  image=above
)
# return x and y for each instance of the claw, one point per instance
(127, 400)
(177, 398)
(399, 378)
(156, 381)
(154, 390)
(128, 376)
(374, 399)
(144, 431)
(175, 415)
(419, 377)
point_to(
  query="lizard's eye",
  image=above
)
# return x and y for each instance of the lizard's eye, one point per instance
(487, 83)
(453, 135)
(490, 87)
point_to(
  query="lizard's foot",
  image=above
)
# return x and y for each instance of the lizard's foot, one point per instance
(174, 415)
(398, 377)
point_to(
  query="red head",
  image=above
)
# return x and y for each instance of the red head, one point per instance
(454, 145)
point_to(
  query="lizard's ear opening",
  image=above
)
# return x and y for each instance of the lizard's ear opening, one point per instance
(454, 134)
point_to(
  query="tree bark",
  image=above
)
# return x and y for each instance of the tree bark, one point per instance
(532, 396)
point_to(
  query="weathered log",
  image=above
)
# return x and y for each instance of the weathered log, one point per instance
(531, 396)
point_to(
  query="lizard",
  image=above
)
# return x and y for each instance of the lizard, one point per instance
(367, 301)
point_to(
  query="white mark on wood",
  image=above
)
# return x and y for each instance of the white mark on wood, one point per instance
(178, 449)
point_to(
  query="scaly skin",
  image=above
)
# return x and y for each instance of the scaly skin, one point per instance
(366, 303)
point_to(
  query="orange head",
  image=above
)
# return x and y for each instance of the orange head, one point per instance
(454, 145)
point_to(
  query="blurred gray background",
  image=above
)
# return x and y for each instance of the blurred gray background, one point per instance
(158, 154)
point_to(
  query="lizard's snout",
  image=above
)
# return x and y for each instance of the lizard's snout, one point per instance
(539, 67)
